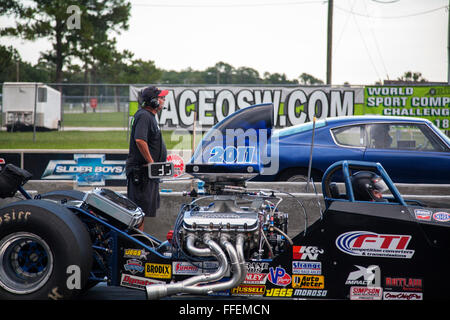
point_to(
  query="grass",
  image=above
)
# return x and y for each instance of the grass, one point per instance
(84, 140)
(96, 119)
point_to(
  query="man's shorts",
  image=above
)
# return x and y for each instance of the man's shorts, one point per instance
(145, 195)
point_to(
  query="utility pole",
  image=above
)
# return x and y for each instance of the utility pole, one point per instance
(330, 40)
(448, 44)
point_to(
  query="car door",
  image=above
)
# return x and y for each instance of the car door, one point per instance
(410, 152)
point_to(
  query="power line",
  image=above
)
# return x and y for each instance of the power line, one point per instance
(393, 17)
(376, 43)
(227, 5)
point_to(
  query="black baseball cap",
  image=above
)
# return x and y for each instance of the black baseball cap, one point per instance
(153, 92)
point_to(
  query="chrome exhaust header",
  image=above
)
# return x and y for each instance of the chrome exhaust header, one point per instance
(207, 283)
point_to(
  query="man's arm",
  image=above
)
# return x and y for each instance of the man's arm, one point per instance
(143, 148)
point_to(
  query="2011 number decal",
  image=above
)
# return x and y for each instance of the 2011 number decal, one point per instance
(232, 154)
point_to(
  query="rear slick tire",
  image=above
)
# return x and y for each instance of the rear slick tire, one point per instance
(45, 251)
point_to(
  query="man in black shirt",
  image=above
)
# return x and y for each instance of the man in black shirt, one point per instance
(146, 146)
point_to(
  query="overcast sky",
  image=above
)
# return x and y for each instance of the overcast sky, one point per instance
(372, 39)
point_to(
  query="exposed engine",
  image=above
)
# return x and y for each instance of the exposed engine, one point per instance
(237, 226)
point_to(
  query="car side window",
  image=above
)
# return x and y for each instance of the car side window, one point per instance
(403, 137)
(351, 136)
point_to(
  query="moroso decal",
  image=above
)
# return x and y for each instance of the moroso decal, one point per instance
(365, 243)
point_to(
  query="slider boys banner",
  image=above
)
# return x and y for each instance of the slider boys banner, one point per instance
(211, 104)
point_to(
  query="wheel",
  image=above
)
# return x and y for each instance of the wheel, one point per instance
(297, 178)
(299, 175)
(45, 251)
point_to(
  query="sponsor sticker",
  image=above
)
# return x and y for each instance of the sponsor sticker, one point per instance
(135, 253)
(279, 292)
(402, 296)
(257, 267)
(365, 243)
(300, 267)
(306, 252)
(159, 271)
(185, 268)
(405, 284)
(248, 289)
(134, 266)
(308, 282)
(135, 282)
(256, 278)
(422, 214)
(310, 293)
(441, 216)
(366, 293)
(369, 276)
(278, 276)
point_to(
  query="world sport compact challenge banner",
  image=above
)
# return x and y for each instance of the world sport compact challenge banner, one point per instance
(296, 105)
(429, 102)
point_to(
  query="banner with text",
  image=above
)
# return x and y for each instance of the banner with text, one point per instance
(429, 102)
(292, 105)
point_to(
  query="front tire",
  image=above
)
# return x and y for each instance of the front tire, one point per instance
(45, 251)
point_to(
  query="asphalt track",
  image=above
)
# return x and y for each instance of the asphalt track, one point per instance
(104, 292)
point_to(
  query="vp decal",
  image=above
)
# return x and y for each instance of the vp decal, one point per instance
(86, 169)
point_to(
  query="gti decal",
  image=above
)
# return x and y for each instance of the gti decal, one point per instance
(86, 169)
(365, 243)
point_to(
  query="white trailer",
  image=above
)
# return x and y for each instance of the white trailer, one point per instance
(22, 99)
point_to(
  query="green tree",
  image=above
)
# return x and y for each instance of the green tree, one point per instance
(308, 79)
(73, 29)
(277, 78)
(410, 76)
(246, 75)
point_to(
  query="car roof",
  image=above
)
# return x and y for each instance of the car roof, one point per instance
(345, 120)
(375, 118)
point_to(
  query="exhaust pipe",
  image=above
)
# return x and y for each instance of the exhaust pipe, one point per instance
(199, 284)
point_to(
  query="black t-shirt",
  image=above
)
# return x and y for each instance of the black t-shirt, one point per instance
(145, 127)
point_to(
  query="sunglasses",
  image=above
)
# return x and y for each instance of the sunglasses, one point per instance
(163, 98)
